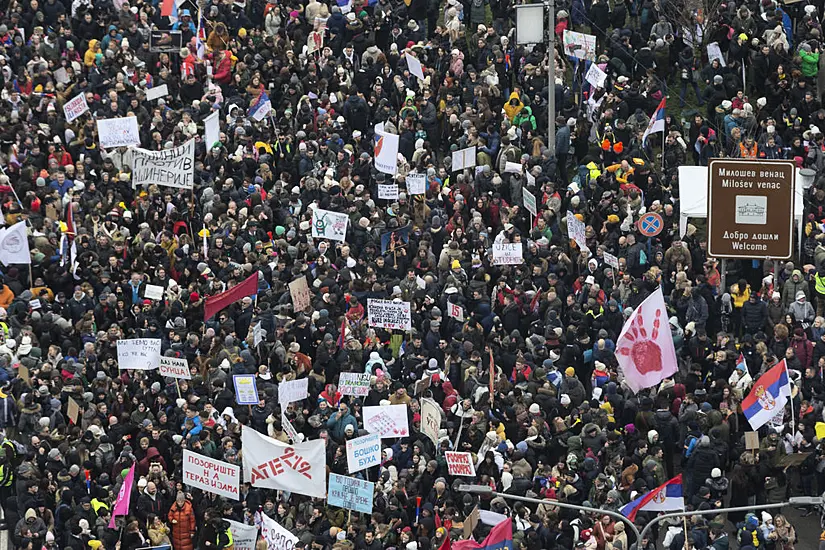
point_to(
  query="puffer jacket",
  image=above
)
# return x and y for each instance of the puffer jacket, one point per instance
(182, 521)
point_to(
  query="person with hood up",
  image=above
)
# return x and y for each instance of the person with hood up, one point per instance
(182, 521)
(792, 287)
(513, 106)
(801, 309)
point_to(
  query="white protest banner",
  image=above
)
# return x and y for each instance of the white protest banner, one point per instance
(138, 354)
(416, 184)
(118, 132)
(386, 151)
(290, 430)
(212, 129)
(415, 66)
(173, 167)
(299, 468)
(529, 201)
(595, 76)
(388, 192)
(293, 390)
(389, 422)
(213, 476)
(153, 292)
(299, 291)
(460, 464)
(246, 390)
(611, 260)
(75, 107)
(389, 314)
(354, 383)
(276, 537)
(175, 367)
(430, 419)
(157, 92)
(580, 45)
(329, 225)
(464, 158)
(244, 536)
(351, 493)
(455, 311)
(508, 254)
(575, 230)
(715, 52)
(258, 334)
(363, 452)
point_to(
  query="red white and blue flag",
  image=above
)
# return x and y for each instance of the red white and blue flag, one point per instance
(768, 396)
(500, 538)
(657, 121)
(741, 362)
(664, 498)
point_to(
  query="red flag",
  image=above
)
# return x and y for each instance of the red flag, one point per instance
(446, 544)
(216, 303)
(492, 378)
(167, 7)
(70, 229)
(437, 520)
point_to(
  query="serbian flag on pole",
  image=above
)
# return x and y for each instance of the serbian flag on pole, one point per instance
(768, 396)
(216, 303)
(169, 8)
(657, 121)
(124, 496)
(741, 362)
(500, 537)
(664, 498)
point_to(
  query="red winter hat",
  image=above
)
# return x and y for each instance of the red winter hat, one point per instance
(194, 297)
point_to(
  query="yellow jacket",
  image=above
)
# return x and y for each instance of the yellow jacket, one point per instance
(512, 110)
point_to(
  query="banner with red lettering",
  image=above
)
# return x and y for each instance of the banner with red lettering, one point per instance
(460, 464)
(214, 476)
(299, 468)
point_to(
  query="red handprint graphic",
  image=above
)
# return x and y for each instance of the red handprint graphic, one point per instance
(643, 350)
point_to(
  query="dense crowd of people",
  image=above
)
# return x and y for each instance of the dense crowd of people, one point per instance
(557, 422)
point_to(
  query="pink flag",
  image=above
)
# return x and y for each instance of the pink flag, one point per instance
(645, 347)
(123, 497)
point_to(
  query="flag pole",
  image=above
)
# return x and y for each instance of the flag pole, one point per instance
(790, 398)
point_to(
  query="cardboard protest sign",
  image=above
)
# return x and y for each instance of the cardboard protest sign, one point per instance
(354, 383)
(389, 422)
(173, 167)
(299, 292)
(175, 367)
(460, 464)
(508, 254)
(350, 493)
(138, 354)
(208, 474)
(75, 107)
(430, 419)
(363, 452)
(389, 314)
(118, 132)
(293, 390)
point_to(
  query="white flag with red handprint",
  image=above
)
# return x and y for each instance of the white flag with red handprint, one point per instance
(645, 347)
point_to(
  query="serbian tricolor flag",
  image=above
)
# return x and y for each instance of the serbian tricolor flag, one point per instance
(124, 497)
(501, 536)
(657, 121)
(768, 396)
(664, 498)
(169, 8)
(741, 362)
(216, 303)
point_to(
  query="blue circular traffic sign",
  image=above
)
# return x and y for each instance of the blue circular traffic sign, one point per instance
(651, 224)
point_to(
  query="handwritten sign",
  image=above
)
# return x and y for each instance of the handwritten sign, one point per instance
(388, 192)
(363, 452)
(299, 292)
(138, 353)
(75, 107)
(389, 314)
(430, 419)
(276, 537)
(611, 260)
(246, 390)
(389, 422)
(423, 384)
(244, 536)
(173, 167)
(460, 464)
(350, 493)
(153, 292)
(416, 184)
(595, 76)
(213, 476)
(508, 254)
(464, 158)
(157, 92)
(290, 430)
(118, 132)
(354, 383)
(293, 390)
(175, 367)
(455, 311)
(576, 230)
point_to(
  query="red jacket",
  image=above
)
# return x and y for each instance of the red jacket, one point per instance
(182, 522)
